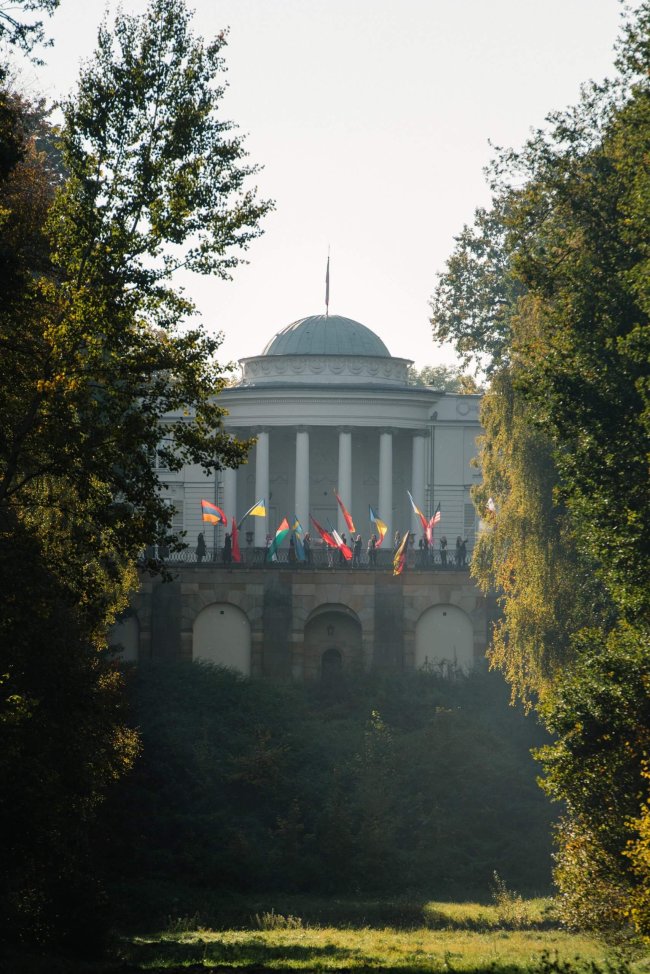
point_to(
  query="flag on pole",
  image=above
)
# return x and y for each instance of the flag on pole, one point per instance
(435, 519)
(257, 510)
(379, 524)
(400, 555)
(423, 520)
(341, 545)
(297, 534)
(325, 535)
(212, 514)
(281, 533)
(234, 539)
(327, 287)
(346, 514)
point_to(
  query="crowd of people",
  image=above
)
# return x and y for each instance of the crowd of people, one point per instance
(426, 552)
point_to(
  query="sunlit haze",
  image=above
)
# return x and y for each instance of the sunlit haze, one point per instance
(372, 121)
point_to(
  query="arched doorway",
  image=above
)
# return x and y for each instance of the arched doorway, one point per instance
(332, 642)
(124, 638)
(444, 638)
(222, 634)
(331, 665)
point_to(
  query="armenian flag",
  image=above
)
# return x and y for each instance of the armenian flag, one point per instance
(346, 514)
(379, 524)
(212, 514)
(400, 555)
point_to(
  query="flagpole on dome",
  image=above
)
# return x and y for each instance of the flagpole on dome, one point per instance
(327, 284)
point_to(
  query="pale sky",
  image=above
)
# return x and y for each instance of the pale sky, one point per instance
(372, 120)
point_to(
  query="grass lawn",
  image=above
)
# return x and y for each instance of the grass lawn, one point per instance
(514, 937)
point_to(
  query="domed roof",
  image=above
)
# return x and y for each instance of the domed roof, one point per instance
(326, 335)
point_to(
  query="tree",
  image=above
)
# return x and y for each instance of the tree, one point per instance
(144, 178)
(16, 31)
(446, 378)
(561, 316)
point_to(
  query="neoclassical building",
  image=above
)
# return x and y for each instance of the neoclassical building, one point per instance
(330, 408)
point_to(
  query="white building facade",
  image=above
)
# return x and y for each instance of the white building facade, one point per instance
(331, 409)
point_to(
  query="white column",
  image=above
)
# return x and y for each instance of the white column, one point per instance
(386, 483)
(229, 481)
(302, 478)
(344, 485)
(261, 484)
(417, 482)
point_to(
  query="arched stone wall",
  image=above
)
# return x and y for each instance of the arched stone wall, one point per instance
(222, 634)
(444, 635)
(126, 634)
(332, 629)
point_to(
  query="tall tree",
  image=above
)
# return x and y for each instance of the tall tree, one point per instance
(563, 321)
(145, 177)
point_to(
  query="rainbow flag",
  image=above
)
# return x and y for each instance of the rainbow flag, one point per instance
(423, 520)
(281, 533)
(379, 524)
(212, 514)
(346, 514)
(435, 519)
(400, 555)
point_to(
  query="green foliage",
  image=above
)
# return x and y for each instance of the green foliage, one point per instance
(558, 271)
(414, 782)
(445, 378)
(143, 178)
(24, 34)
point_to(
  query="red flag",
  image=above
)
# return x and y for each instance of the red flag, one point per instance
(341, 545)
(346, 514)
(325, 535)
(234, 538)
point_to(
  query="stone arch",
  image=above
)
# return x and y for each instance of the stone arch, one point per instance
(444, 637)
(222, 634)
(333, 639)
(124, 637)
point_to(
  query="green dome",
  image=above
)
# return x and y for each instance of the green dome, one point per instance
(326, 335)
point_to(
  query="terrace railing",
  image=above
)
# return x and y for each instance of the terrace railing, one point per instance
(321, 559)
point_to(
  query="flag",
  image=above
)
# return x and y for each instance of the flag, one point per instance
(423, 520)
(281, 533)
(257, 510)
(325, 535)
(234, 538)
(341, 545)
(435, 519)
(213, 514)
(400, 555)
(327, 287)
(379, 524)
(297, 534)
(346, 514)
